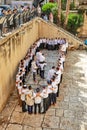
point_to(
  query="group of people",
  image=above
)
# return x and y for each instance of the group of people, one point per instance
(40, 99)
(14, 17)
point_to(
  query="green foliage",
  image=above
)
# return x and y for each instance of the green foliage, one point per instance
(64, 4)
(47, 8)
(74, 22)
(72, 6)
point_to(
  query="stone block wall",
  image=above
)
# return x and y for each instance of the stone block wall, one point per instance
(49, 31)
(12, 49)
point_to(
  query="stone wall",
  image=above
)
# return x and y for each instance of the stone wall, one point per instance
(14, 47)
(49, 31)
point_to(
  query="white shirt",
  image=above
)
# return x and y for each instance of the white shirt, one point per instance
(67, 45)
(38, 54)
(57, 80)
(20, 89)
(23, 94)
(55, 87)
(49, 89)
(41, 58)
(50, 74)
(34, 67)
(44, 93)
(61, 68)
(63, 48)
(37, 99)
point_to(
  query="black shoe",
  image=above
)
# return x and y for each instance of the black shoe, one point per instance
(43, 112)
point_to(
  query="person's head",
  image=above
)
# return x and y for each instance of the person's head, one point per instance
(24, 86)
(53, 79)
(37, 90)
(49, 82)
(30, 87)
(44, 86)
(21, 83)
(57, 68)
(53, 67)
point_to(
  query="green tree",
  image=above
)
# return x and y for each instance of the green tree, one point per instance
(47, 8)
(74, 22)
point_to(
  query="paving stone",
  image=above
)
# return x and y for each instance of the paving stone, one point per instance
(59, 112)
(68, 124)
(64, 105)
(51, 122)
(74, 99)
(56, 129)
(60, 98)
(50, 112)
(31, 128)
(69, 113)
(75, 106)
(38, 128)
(43, 83)
(47, 129)
(18, 108)
(33, 120)
(14, 127)
(73, 92)
(2, 128)
(66, 98)
(17, 117)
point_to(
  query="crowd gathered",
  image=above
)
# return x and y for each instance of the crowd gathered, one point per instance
(13, 18)
(38, 100)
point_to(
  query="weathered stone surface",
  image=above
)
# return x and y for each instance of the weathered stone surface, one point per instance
(30, 128)
(46, 128)
(33, 120)
(75, 106)
(14, 127)
(18, 108)
(50, 112)
(2, 128)
(51, 122)
(68, 124)
(17, 117)
(69, 113)
(59, 112)
(64, 105)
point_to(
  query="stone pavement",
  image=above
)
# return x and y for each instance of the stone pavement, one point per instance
(70, 113)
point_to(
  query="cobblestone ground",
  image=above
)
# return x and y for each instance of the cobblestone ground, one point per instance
(70, 113)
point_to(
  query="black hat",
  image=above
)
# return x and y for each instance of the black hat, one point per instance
(37, 90)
